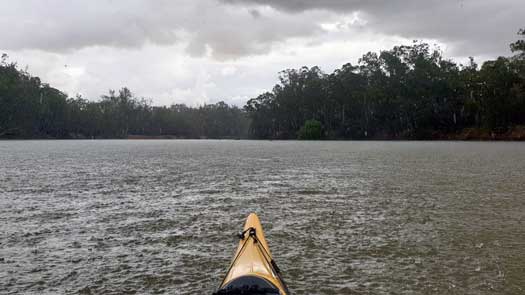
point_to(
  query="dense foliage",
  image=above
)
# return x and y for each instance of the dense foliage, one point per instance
(408, 92)
(31, 109)
(405, 92)
(310, 131)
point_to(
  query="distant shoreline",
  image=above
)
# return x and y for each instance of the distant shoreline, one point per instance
(469, 134)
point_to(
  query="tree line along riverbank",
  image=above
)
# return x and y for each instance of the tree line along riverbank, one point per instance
(407, 92)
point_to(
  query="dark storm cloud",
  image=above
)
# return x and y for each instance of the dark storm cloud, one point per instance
(302, 5)
(474, 27)
(58, 25)
(228, 29)
(64, 25)
(255, 13)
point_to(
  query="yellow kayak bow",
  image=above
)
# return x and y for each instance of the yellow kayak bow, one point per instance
(252, 270)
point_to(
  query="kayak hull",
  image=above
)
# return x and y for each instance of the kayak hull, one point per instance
(253, 265)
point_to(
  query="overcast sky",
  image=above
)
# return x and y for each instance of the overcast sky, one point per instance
(203, 51)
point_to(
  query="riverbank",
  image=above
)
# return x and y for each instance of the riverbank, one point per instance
(516, 133)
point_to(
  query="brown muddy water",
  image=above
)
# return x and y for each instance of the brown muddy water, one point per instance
(126, 217)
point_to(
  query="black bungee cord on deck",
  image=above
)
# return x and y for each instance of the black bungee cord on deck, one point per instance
(241, 236)
(272, 263)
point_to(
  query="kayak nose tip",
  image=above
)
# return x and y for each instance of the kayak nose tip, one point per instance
(252, 220)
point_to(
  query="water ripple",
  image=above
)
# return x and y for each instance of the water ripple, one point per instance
(133, 217)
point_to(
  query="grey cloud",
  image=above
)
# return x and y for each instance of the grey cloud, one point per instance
(63, 25)
(234, 28)
(473, 27)
(300, 5)
(255, 13)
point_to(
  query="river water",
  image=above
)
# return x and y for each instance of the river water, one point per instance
(126, 217)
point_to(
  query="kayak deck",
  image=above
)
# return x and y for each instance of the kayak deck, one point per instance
(253, 270)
